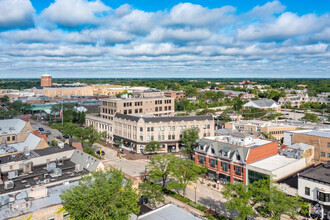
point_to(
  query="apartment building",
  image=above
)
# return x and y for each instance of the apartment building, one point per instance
(152, 105)
(226, 157)
(275, 129)
(137, 131)
(46, 80)
(179, 95)
(320, 139)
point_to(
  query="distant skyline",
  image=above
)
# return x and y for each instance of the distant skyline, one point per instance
(165, 39)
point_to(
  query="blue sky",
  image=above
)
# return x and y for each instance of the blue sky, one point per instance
(145, 38)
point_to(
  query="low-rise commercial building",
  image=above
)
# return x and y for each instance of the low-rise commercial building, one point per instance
(274, 129)
(227, 157)
(137, 131)
(179, 95)
(263, 104)
(100, 125)
(17, 135)
(314, 186)
(320, 139)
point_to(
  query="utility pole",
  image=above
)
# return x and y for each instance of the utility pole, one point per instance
(62, 112)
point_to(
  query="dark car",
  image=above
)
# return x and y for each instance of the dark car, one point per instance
(41, 129)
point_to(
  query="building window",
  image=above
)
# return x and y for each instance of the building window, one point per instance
(8, 138)
(152, 138)
(141, 129)
(152, 128)
(159, 137)
(169, 128)
(328, 154)
(148, 138)
(169, 137)
(201, 159)
(213, 163)
(141, 138)
(51, 218)
(173, 128)
(307, 191)
(225, 167)
(238, 170)
(324, 197)
(13, 138)
(322, 154)
(66, 216)
(125, 112)
(148, 129)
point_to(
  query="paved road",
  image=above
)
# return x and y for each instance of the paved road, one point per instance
(54, 132)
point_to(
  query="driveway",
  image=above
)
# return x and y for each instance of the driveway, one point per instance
(54, 133)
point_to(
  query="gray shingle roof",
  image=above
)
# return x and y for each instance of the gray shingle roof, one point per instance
(11, 126)
(89, 162)
(263, 102)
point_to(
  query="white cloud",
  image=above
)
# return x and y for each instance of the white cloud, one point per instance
(178, 35)
(266, 10)
(16, 13)
(286, 25)
(32, 35)
(196, 15)
(73, 13)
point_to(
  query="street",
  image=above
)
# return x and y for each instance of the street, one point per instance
(54, 133)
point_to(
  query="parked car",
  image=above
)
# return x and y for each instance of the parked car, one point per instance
(41, 129)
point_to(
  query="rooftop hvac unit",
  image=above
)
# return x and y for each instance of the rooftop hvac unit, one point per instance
(12, 174)
(61, 145)
(51, 166)
(46, 181)
(78, 168)
(9, 184)
(56, 172)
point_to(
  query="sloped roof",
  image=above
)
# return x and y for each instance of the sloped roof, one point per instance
(11, 126)
(89, 162)
(262, 103)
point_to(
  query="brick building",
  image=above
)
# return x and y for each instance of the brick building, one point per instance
(179, 95)
(320, 139)
(226, 157)
(46, 80)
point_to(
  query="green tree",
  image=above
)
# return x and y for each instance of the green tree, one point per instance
(189, 137)
(268, 198)
(152, 147)
(311, 117)
(185, 172)
(101, 195)
(152, 191)
(239, 199)
(160, 167)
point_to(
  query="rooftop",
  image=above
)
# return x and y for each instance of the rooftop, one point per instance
(164, 118)
(319, 173)
(273, 163)
(168, 212)
(262, 102)
(11, 126)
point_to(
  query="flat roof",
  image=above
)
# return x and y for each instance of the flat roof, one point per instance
(168, 212)
(135, 99)
(273, 163)
(318, 173)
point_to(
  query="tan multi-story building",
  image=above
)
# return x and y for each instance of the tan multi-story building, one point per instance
(179, 95)
(46, 80)
(274, 129)
(100, 125)
(68, 91)
(154, 106)
(106, 89)
(137, 131)
(320, 139)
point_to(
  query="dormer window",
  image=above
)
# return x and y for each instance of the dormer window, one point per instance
(238, 157)
(225, 153)
(213, 151)
(202, 147)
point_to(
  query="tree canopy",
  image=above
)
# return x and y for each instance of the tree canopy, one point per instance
(101, 195)
(152, 147)
(189, 137)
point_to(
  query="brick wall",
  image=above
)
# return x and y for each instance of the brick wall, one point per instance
(261, 152)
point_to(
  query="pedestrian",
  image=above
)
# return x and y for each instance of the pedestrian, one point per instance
(120, 156)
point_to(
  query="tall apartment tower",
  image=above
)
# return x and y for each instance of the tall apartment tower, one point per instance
(46, 80)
